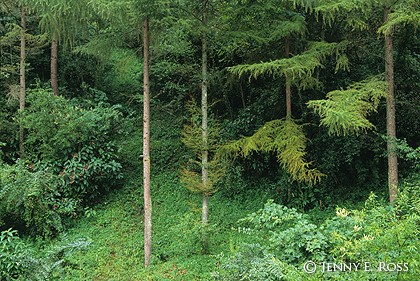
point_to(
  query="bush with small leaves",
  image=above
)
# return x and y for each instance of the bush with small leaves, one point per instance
(286, 233)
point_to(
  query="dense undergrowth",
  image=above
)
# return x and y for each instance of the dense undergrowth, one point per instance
(273, 243)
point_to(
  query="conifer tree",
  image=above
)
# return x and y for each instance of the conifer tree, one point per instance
(396, 14)
(61, 20)
(297, 71)
(200, 138)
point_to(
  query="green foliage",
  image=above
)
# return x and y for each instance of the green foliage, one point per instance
(31, 198)
(381, 234)
(62, 20)
(410, 154)
(403, 13)
(377, 234)
(193, 139)
(352, 162)
(286, 233)
(254, 264)
(89, 171)
(73, 146)
(114, 252)
(299, 68)
(11, 255)
(353, 13)
(186, 237)
(10, 34)
(286, 139)
(72, 141)
(56, 125)
(18, 261)
(345, 111)
(122, 74)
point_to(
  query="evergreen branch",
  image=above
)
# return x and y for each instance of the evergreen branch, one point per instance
(190, 175)
(287, 140)
(407, 13)
(345, 111)
(301, 67)
(329, 9)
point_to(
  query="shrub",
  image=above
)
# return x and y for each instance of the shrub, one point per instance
(378, 234)
(32, 199)
(18, 261)
(254, 264)
(74, 142)
(286, 233)
(12, 253)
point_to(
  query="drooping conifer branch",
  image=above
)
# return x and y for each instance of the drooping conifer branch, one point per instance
(300, 67)
(345, 111)
(283, 137)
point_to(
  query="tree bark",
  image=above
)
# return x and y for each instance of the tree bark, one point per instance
(204, 109)
(390, 116)
(146, 148)
(287, 81)
(22, 96)
(54, 66)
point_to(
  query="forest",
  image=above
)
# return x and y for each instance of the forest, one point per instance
(210, 140)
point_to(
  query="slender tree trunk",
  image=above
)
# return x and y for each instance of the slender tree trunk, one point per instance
(287, 80)
(242, 93)
(22, 78)
(390, 116)
(204, 108)
(146, 149)
(288, 100)
(54, 67)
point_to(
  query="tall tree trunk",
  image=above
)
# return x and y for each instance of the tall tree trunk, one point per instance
(22, 78)
(287, 80)
(54, 67)
(146, 148)
(204, 108)
(390, 116)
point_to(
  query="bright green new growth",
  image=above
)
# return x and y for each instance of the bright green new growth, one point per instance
(354, 11)
(406, 12)
(345, 111)
(192, 138)
(287, 140)
(299, 68)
